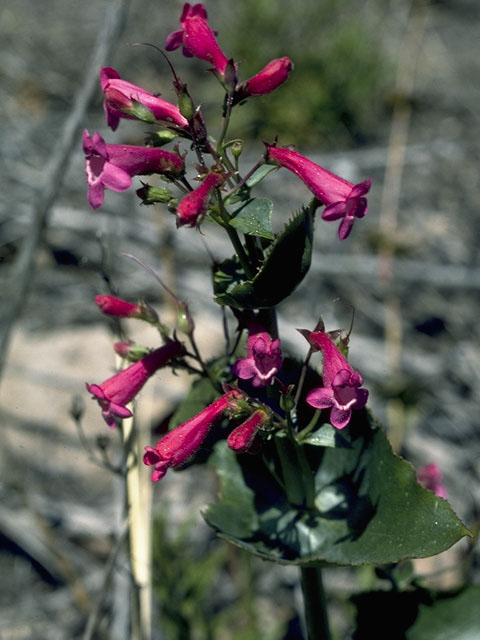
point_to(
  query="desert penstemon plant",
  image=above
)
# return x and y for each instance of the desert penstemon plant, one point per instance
(308, 477)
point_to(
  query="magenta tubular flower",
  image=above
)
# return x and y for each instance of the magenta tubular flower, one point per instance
(264, 359)
(193, 206)
(342, 199)
(182, 442)
(120, 98)
(430, 477)
(112, 306)
(243, 437)
(116, 392)
(112, 166)
(268, 79)
(341, 391)
(197, 38)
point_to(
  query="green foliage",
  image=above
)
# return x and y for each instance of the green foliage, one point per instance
(277, 277)
(418, 615)
(368, 507)
(334, 94)
(254, 218)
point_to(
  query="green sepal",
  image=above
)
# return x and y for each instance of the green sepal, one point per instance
(287, 262)
(369, 508)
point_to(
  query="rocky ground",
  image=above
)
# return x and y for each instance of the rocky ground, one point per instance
(415, 336)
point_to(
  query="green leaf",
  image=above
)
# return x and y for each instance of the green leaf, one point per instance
(254, 218)
(449, 616)
(200, 395)
(326, 436)
(236, 511)
(285, 266)
(369, 508)
(419, 614)
(260, 174)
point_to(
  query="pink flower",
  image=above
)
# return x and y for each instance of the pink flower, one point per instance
(193, 206)
(243, 437)
(264, 359)
(121, 96)
(112, 166)
(430, 477)
(112, 306)
(268, 79)
(343, 199)
(197, 38)
(182, 442)
(341, 390)
(116, 392)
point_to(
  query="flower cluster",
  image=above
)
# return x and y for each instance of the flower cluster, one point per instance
(259, 389)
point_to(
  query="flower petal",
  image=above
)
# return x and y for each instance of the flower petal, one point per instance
(115, 178)
(174, 40)
(95, 195)
(334, 211)
(362, 397)
(345, 227)
(340, 417)
(321, 398)
(360, 189)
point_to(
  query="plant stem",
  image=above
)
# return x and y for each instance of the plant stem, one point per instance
(315, 604)
(235, 240)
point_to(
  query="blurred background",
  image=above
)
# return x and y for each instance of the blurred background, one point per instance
(380, 89)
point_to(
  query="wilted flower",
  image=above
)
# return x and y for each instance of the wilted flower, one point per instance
(182, 442)
(197, 38)
(430, 477)
(193, 206)
(274, 74)
(341, 391)
(115, 393)
(112, 166)
(264, 359)
(125, 100)
(342, 199)
(243, 437)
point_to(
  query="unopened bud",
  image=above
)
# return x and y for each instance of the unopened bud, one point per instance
(185, 321)
(230, 77)
(159, 138)
(237, 148)
(148, 313)
(129, 351)
(243, 437)
(185, 104)
(287, 402)
(151, 195)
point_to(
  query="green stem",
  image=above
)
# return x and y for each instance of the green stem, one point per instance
(225, 120)
(315, 604)
(292, 480)
(235, 240)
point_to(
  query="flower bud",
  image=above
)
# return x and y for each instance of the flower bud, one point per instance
(268, 79)
(160, 138)
(129, 351)
(185, 104)
(237, 148)
(243, 437)
(192, 208)
(185, 321)
(150, 195)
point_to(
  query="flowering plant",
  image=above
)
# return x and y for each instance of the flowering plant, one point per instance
(325, 487)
